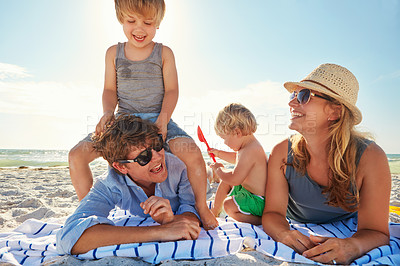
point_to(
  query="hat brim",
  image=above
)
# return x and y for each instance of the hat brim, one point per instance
(292, 86)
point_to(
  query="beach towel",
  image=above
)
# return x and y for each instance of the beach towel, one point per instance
(33, 242)
(387, 255)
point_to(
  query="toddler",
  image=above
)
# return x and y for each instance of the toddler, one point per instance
(235, 124)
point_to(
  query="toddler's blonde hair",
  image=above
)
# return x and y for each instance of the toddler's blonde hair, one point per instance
(234, 116)
(147, 8)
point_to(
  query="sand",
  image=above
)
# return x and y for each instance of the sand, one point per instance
(47, 194)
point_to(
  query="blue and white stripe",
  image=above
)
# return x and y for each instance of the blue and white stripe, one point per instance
(33, 243)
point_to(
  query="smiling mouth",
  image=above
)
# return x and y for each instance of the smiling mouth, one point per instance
(296, 115)
(139, 38)
(157, 169)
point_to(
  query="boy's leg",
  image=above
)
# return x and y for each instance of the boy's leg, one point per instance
(222, 191)
(187, 150)
(232, 210)
(79, 158)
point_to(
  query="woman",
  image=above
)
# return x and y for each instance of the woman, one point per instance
(328, 172)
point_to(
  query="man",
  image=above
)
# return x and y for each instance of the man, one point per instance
(144, 180)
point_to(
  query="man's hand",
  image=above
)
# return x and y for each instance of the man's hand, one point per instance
(107, 119)
(182, 228)
(159, 209)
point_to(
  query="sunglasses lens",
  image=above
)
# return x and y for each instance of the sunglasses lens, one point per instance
(144, 157)
(303, 96)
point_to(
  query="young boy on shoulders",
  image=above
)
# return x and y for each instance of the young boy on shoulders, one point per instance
(141, 79)
(245, 184)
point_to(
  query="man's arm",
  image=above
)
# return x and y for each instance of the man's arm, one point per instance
(88, 227)
(184, 227)
(160, 210)
(92, 210)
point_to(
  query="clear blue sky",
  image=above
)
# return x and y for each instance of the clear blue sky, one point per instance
(52, 63)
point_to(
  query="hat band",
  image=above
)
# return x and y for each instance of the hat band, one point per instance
(320, 84)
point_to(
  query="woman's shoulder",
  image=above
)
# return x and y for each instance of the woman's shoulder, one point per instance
(373, 162)
(372, 152)
(280, 150)
(281, 146)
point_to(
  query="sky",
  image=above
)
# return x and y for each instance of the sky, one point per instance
(52, 63)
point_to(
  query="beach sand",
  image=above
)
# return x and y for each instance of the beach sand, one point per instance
(47, 194)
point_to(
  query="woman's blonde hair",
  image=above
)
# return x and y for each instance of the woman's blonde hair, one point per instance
(342, 155)
(147, 8)
(235, 116)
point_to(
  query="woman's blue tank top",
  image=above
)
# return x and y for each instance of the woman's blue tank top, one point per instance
(307, 203)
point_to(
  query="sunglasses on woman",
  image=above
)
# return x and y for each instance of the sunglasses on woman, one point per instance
(145, 156)
(304, 96)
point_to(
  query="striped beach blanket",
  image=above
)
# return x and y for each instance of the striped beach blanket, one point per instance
(33, 243)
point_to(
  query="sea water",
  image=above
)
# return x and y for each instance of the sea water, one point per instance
(394, 163)
(15, 158)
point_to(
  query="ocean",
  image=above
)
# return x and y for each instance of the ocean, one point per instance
(15, 158)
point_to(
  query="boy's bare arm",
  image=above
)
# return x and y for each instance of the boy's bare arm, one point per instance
(227, 156)
(109, 98)
(242, 169)
(171, 89)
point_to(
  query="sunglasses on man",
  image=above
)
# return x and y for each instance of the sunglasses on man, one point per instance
(145, 156)
(304, 96)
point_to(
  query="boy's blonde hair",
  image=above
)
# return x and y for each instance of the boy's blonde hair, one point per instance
(147, 8)
(235, 116)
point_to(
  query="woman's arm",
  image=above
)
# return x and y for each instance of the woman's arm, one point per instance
(374, 183)
(373, 213)
(276, 201)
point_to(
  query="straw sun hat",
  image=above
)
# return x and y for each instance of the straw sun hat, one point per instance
(334, 81)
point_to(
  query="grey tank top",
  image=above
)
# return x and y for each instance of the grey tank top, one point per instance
(306, 201)
(140, 85)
